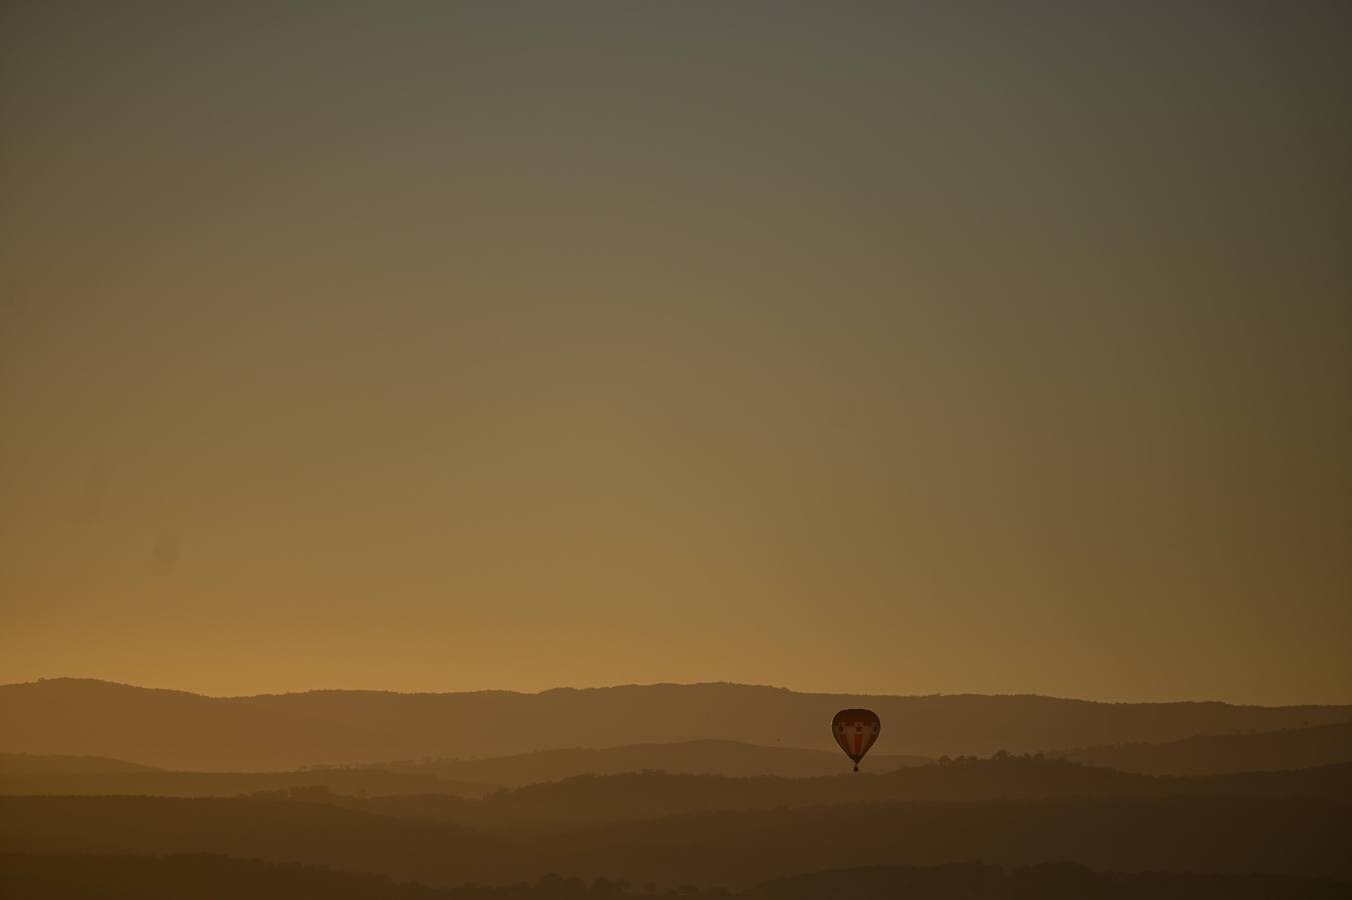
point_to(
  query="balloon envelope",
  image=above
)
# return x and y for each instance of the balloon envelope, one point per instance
(855, 730)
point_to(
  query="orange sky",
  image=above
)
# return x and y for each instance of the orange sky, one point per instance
(896, 349)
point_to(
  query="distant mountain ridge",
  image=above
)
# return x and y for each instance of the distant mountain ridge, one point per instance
(180, 730)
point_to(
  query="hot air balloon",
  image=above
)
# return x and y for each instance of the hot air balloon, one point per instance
(855, 730)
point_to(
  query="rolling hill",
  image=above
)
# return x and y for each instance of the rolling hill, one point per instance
(705, 757)
(592, 801)
(586, 801)
(55, 764)
(1296, 837)
(1048, 881)
(179, 730)
(161, 783)
(211, 877)
(313, 834)
(1292, 748)
(1284, 837)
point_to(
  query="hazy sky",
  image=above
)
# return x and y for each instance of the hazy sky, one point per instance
(890, 347)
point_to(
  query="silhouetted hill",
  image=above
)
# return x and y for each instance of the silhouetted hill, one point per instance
(705, 757)
(1292, 748)
(178, 730)
(199, 876)
(596, 800)
(70, 775)
(1303, 837)
(1050, 881)
(1292, 837)
(160, 783)
(32, 764)
(207, 877)
(416, 849)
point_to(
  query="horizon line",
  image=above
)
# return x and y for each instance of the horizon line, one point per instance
(658, 684)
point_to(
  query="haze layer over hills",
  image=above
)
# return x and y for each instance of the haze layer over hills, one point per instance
(1272, 752)
(179, 730)
(406, 809)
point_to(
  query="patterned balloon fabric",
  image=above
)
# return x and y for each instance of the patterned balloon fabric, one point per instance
(855, 730)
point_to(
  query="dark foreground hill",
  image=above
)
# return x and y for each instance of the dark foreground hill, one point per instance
(1304, 837)
(178, 730)
(1289, 837)
(1050, 881)
(413, 849)
(204, 877)
(1291, 748)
